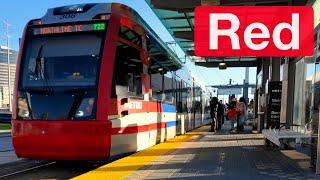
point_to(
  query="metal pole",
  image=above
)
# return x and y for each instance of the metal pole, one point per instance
(245, 85)
(8, 63)
(217, 92)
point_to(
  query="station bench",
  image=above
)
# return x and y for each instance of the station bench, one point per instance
(284, 138)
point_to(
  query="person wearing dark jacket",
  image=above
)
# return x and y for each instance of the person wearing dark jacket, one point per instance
(220, 115)
(213, 112)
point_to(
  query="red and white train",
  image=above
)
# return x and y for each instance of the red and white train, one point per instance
(94, 81)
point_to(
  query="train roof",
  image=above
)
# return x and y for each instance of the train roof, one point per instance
(161, 55)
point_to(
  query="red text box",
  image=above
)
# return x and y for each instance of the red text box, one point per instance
(253, 31)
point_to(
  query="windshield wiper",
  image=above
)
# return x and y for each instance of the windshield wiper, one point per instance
(77, 99)
(39, 71)
(29, 104)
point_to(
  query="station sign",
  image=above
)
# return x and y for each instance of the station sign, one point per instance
(222, 31)
(274, 104)
(229, 91)
(68, 28)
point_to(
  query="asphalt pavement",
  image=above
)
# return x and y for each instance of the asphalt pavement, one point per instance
(6, 149)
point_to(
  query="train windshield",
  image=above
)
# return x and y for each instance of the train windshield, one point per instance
(62, 62)
(62, 69)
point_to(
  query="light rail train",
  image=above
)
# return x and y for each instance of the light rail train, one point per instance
(95, 81)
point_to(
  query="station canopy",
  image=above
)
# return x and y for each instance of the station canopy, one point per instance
(178, 18)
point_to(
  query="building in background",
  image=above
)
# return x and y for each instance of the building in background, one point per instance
(4, 89)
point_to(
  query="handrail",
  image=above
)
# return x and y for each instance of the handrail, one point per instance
(305, 127)
(285, 125)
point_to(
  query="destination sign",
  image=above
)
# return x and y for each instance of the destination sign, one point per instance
(69, 28)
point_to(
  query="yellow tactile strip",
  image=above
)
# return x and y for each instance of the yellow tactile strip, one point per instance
(123, 167)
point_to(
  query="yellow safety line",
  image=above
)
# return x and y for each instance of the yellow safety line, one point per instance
(123, 167)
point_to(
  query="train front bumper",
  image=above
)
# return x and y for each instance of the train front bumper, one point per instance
(61, 140)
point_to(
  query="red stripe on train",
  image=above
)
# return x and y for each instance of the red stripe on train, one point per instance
(137, 129)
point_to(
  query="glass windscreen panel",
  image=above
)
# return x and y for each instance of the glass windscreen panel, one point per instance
(62, 61)
(61, 66)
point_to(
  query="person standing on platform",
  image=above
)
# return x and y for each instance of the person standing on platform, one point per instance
(242, 113)
(220, 115)
(213, 112)
(224, 109)
(232, 113)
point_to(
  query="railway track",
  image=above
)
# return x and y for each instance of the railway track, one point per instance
(32, 169)
(22, 166)
(43, 169)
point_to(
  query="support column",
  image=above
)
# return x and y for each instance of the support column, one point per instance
(273, 97)
(287, 96)
(290, 100)
(246, 85)
(275, 69)
(318, 133)
(262, 98)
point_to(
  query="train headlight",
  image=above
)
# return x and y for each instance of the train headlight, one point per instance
(86, 107)
(23, 109)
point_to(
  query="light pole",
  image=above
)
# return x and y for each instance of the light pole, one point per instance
(6, 24)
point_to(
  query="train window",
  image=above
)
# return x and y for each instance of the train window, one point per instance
(75, 65)
(127, 72)
(197, 106)
(178, 95)
(130, 35)
(156, 86)
(163, 87)
(168, 87)
(184, 97)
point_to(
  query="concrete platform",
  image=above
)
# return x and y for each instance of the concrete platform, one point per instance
(205, 155)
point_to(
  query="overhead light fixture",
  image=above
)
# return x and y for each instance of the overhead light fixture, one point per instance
(222, 66)
(160, 69)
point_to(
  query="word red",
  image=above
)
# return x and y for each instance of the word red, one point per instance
(254, 31)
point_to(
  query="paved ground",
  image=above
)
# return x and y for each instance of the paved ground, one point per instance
(6, 150)
(196, 155)
(227, 156)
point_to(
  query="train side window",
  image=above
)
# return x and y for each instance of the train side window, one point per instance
(126, 81)
(197, 107)
(128, 65)
(156, 86)
(130, 35)
(184, 97)
(168, 87)
(179, 95)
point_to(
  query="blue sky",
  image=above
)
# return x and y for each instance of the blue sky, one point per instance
(19, 12)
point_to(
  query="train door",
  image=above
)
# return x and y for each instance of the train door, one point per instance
(156, 81)
(197, 106)
(184, 105)
(168, 104)
(193, 104)
(178, 102)
(189, 107)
